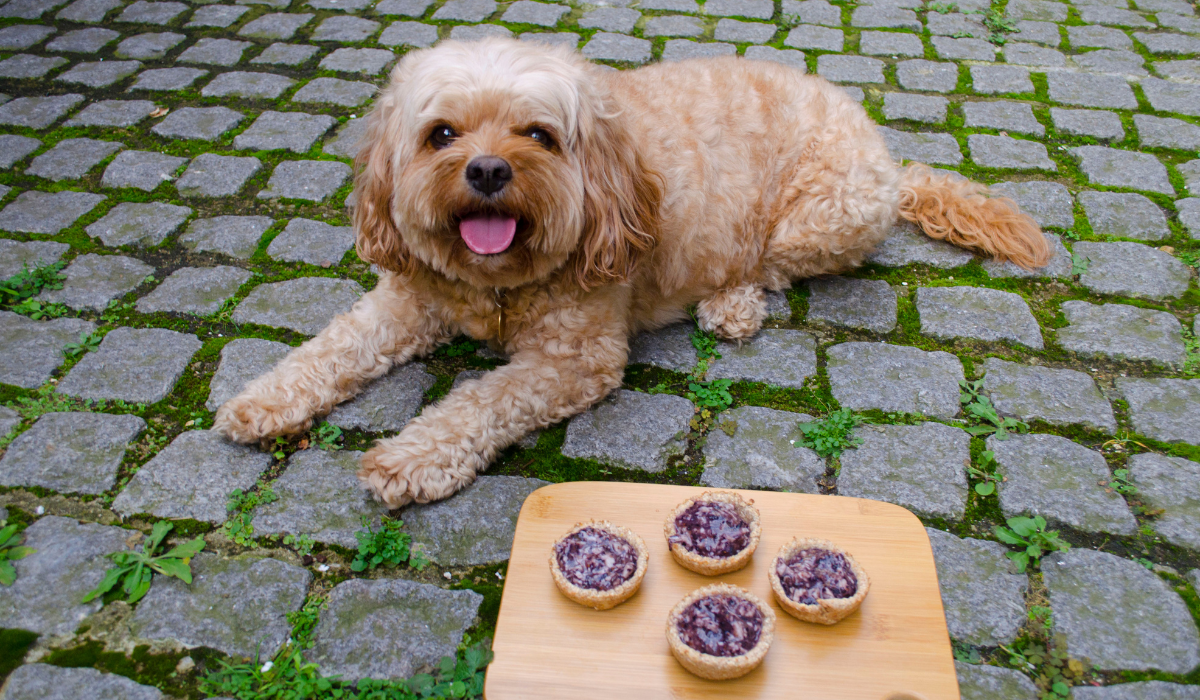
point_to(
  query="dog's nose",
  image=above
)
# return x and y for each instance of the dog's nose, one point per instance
(488, 174)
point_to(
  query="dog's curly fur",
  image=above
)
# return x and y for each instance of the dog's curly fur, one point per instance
(695, 183)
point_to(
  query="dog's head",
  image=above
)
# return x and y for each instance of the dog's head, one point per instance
(499, 162)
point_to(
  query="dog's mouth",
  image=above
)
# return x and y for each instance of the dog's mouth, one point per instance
(488, 233)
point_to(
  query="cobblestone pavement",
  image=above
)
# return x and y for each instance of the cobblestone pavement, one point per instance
(188, 164)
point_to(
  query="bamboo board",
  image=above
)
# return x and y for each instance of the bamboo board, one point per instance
(894, 648)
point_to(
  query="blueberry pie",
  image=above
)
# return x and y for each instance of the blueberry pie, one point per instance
(816, 581)
(720, 631)
(599, 564)
(713, 533)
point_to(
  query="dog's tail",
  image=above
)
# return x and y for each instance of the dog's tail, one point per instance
(956, 210)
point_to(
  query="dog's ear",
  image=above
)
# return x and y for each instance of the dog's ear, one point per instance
(621, 202)
(377, 239)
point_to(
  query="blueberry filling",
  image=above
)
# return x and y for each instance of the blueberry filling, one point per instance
(595, 559)
(711, 529)
(814, 574)
(721, 625)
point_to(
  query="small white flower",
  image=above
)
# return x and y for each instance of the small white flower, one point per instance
(447, 575)
(267, 667)
(322, 568)
(792, 441)
(40, 510)
(904, 283)
(499, 575)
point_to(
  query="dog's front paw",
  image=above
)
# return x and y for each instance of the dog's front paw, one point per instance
(401, 470)
(248, 419)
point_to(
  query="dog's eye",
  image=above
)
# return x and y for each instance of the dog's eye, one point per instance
(442, 136)
(542, 137)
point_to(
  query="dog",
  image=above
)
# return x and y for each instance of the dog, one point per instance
(515, 193)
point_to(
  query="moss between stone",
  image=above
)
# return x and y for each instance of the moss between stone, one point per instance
(13, 646)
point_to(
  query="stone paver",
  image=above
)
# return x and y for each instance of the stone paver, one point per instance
(204, 123)
(631, 430)
(142, 224)
(938, 149)
(993, 682)
(1132, 269)
(46, 682)
(1113, 167)
(920, 467)
(1169, 484)
(779, 357)
(895, 378)
(1119, 615)
(242, 361)
(1167, 96)
(37, 112)
(1144, 690)
(333, 91)
(476, 526)
(615, 47)
(266, 86)
(71, 159)
(194, 290)
(16, 255)
(150, 46)
(1049, 203)
(1088, 122)
(982, 592)
(295, 131)
(95, 280)
(1121, 332)
(313, 242)
(70, 452)
(1124, 215)
(921, 108)
(280, 54)
(277, 25)
(144, 170)
(1164, 409)
(167, 79)
(67, 562)
(138, 365)
(33, 349)
(238, 606)
(311, 180)
(1055, 478)
(989, 80)
(389, 628)
(1056, 396)
(235, 236)
(907, 244)
(761, 452)
(368, 61)
(320, 496)
(211, 175)
(304, 304)
(43, 212)
(978, 313)
(1009, 153)
(853, 303)
(669, 348)
(113, 113)
(387, 403)
(14, 148)
(1159, 132)
(192, 478)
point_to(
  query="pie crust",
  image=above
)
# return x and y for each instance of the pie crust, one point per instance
(826, 611)
(712, 566)
(590, 597)
(719, 668)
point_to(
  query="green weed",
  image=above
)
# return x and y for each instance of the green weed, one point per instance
(1031, 534)
(387, 546)
(714, 395)
(706, 345)
(87, 343)
(1079, 264)
(138, 568)
(30, 282)
(37, 310)
(998, 25)
(1121, 482)
(303, 544)
(10, 551)
(980, 411)
(988, 480)
(1191, 363)
(241, 505)
(832, 434)
(1053, 669)
(940, 7)
(326, 436)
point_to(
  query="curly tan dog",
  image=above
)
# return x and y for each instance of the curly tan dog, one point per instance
(518, 194)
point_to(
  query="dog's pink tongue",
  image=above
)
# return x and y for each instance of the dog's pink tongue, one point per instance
(488, 234)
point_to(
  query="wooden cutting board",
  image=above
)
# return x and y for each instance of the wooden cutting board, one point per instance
(894, 648)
